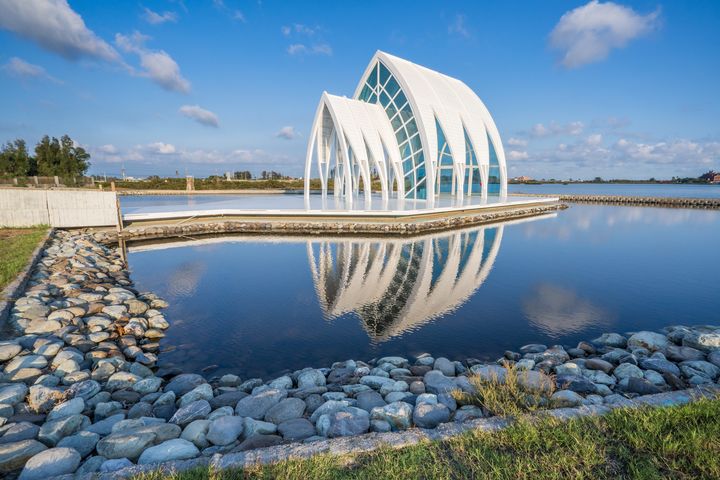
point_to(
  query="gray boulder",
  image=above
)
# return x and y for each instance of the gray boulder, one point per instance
(286, 409)
(14, 455)
(125, 445)
(176, 449)
(296, 429)
(429, 415)
(50, 463)
(225, 430)
(256, 406)
(346, 422)
(83, 442)
(194, 411)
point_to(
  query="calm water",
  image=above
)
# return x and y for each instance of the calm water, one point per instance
(258, 306)
(643, 190)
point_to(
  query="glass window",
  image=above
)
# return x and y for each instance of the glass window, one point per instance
(372, 78)
(392, 87)
(416, 143)
(391, 110)
(372, 99)
(384, 74)
(401, 135)
(411, 127)
(400, 99)
(396, 122)
(406, 113)
(384, 99)
(365, 93)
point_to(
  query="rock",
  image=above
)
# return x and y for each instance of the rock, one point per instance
(148, 385)
(492, 373)
(125, 445)
(51, 462)
(641, 386)
(445, 366)
(611, 340)
(140, 409)
(375, 381)
(85, 389)
(83, 442)
(575, 383)
(329, 407)
(535, 382)
(284, 382)
(599, 377)
(201, 392)
(257, 427)
(256, 406)
(259, 441)
(13, 393)
(599, 364)
(714, 358)
(19, 431)
(416, 388)
(649, 340)
(52, 432)
(26, 361)
(229, 380)
(428, 415)
(227, 429)
(92, 465)
(296, 429)
(310, 378)
(121, 380)
(194, 411)
(681, 354)
(176, 449)
(196, 432)
(397, 414)
(566, 398)
(8, 350)
(533, 348)
(42, 326)
(114, 465)
(346, 422)
(626, 370)
(436, 382)
(659, 365)
(370, 399)
(286, 409)
(228, 399)
(701, 368)
(14, 455)
(183, 383)
(468, 412)
(164, 406)
(105, 426)
(71, 407)
(704, 341)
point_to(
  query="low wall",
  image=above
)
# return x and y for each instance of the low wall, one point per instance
(677, 202)
(57, 208)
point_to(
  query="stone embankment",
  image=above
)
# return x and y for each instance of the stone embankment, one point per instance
(81, 392)
(673, 202)
(329, 227)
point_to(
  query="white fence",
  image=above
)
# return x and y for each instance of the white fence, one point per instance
(57, 208)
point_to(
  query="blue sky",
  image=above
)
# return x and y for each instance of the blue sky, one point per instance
(577, 88)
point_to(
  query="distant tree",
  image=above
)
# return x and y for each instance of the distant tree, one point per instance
(597, 180)
(61, 157)
(708, 177)
(242, 175)
(15, 160)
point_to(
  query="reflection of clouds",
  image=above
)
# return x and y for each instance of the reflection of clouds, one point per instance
(559, 311)
(184, 280)
(596, 218)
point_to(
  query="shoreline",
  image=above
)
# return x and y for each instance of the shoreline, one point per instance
(81, 377)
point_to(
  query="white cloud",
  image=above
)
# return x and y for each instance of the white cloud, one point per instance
(594, 139)
(108, 149)
(55, 26)
(17, 67)
(157, 64)
(156, 18)
(200, 115)
(233, 14)
(572, 128)
(288, 133)
(299, 29)
(161, 148)
(587, 34)
(302, 49)
(517, 142)
(517, 155)
(458, 26)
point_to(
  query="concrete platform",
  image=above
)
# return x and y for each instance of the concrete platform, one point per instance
(392, 211)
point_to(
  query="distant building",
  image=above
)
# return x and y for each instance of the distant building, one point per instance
(522, 178)
(715, 179)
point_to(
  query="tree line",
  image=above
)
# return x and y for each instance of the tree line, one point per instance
(62, 157)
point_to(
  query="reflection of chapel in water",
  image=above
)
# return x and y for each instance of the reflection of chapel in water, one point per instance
(396, 285)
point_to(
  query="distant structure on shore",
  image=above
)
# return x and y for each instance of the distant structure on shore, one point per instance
(408, 131)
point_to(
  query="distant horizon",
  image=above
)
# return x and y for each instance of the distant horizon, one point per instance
(577, 89)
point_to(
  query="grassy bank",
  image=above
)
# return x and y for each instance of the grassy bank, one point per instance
(16, 246)
(678, 442)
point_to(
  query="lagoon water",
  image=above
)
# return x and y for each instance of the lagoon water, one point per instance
(631, 189)
(259, 306)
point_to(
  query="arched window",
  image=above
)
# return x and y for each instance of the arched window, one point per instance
(494, 172)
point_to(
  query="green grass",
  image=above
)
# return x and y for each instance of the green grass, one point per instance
(680, 442)
(16, 246)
